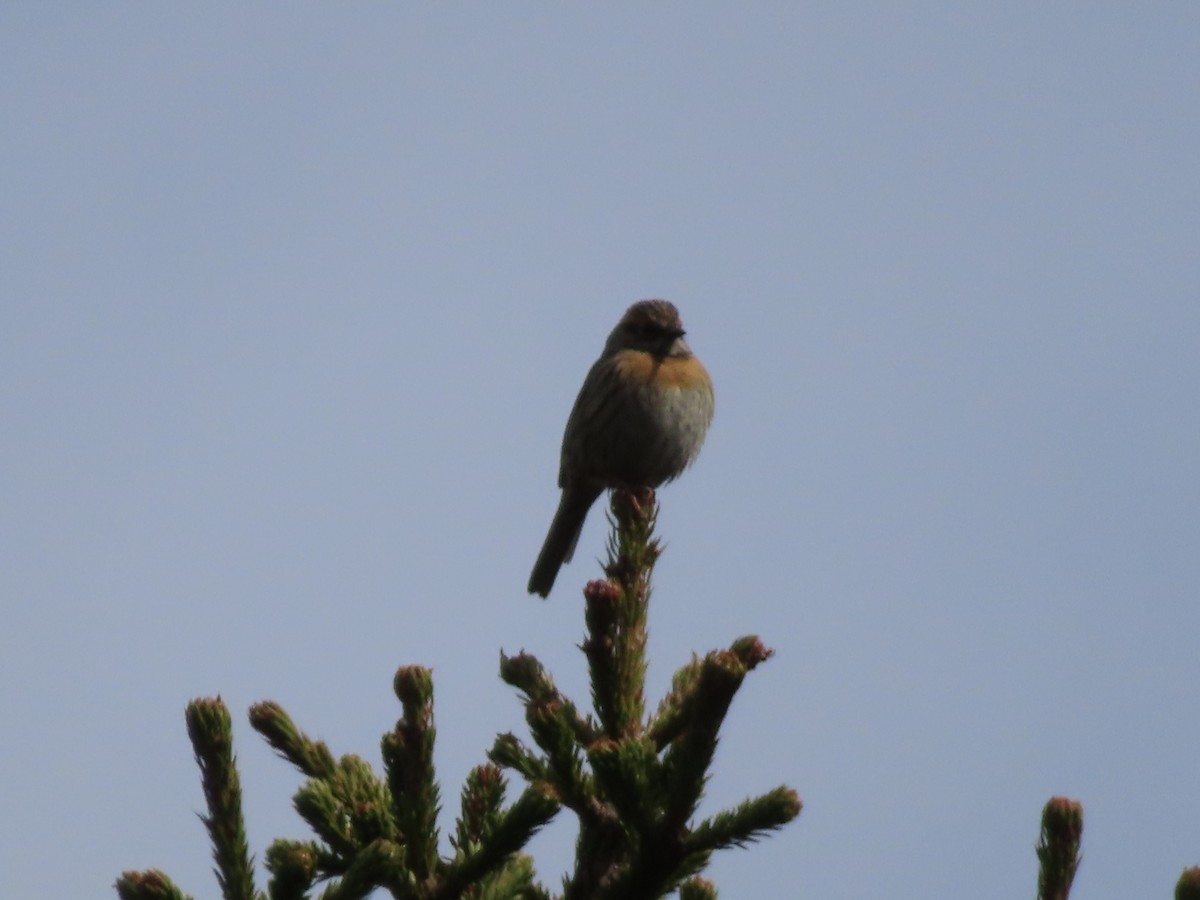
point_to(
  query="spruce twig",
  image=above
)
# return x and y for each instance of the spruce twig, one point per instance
(1188, 886)
(211, 732)
(150, 884)
(633, 783)
(697, 889)
(507, 833)
(749, 821)
(527, 675)
(293, 866)
(408, 760)
(312, 758)
(646, 778)
(616, 612)
(1058, 849)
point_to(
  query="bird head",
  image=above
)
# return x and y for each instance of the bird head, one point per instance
(652, 326)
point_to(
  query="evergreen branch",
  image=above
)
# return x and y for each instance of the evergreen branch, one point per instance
(633, 794)
(750, 651)
(348, 810)
(601, 859)
(1058, 849)
(318, 804)
(615, 612)
(508, 751)
(150, 884)
(512, 830)
(211, 733)
(551, 727)
(749, 821)
(687, 760)
(528, 676)
(697, 889)
(536, 806)
(293, 865)
(513, 882)
(364, 800)
(1188, 886)
(601, 601)
(657, 868)
(482, 798)
(311, 757)
(378, 864)
(628, 775)
(408, 759)
(674, 711)
(665, 859)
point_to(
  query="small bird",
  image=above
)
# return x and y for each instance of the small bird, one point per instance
(639, 421)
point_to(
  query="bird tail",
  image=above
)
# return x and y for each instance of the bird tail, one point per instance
(560, 542)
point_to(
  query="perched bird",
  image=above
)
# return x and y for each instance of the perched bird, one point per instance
(639, 420)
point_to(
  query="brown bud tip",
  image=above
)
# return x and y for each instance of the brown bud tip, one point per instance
(1063, 817)
(697, 889)
(601, 591)
(794, 804)
(522, 669)
(603, 745)
(151, 881)
(265, 712)
(488, 775)
(751, 650)
(1188, 886)
(413, 684)
(506, 751)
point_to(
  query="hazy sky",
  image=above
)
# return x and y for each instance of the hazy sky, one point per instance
(295, 299)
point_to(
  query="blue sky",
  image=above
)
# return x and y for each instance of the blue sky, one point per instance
(294, 301)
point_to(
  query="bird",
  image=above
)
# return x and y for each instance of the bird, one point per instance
(639, 421)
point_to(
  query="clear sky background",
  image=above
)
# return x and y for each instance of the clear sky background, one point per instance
(295, 298)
